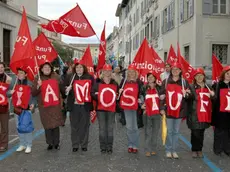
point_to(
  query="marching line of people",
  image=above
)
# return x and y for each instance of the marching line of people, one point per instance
(80, 93)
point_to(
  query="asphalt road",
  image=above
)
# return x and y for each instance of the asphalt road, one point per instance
(64, 160)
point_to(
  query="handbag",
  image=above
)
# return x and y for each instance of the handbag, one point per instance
(4, 109)
(18, 110)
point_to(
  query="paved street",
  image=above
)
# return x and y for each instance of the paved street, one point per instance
(40, 160)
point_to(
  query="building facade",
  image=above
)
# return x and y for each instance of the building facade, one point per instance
(201, 27)
(10, 19)
(94, 49)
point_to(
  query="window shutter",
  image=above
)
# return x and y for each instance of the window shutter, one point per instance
(191, 8)
(181, 11)
(169, 17)
(207, 7)
(162, 22)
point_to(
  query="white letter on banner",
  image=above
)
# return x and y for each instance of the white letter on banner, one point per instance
(179, 96)
(49, 91)
(19, 95)
(82, 89)
(228, 103)
(154, 102)
(202, 109)
(126, 96)
(102, 100)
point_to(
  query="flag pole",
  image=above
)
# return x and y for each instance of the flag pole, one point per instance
(15, 82)
(67, 93)
(36, 62)
(122, 88)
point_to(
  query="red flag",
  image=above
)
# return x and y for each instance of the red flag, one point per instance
(87, 60)
(216, 68)
(102, 51)
(172, 58)
(145, 61)
(23, 50)
(93, 116)
(187, 69)
(159, 64)
(44, 49)
(60, 26)
(72, 23)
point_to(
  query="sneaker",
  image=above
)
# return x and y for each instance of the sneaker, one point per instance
(130, 150)
(175, 156)
(148, 154)
(109, 151)
(194, 154)
(153, 153)
(168, 155)
(103, 150)
(3, 149)
(50, 147)
(135, 150)
(28, 150)
(20, 148)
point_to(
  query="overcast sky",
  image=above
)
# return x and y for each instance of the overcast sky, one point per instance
(96, 11)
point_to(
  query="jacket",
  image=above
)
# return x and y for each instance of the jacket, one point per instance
(220, 119)
(192, 118)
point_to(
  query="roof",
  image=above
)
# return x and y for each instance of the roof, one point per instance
(86, 45)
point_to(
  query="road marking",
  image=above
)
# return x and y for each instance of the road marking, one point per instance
(210, 164)
(13, 149)
(13, 140)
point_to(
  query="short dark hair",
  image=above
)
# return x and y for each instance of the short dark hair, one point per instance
(20, 69)
(222, 75)
(47, 63)
(3, 64)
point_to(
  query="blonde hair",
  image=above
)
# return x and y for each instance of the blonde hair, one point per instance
(128, 77)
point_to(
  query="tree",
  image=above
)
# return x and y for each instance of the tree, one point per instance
(64, 52)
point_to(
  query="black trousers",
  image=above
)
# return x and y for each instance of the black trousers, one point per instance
(53, 136)
(197, 139)
(80, 121)
(221, 140)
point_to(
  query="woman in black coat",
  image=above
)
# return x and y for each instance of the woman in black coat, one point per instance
(199, 112)
(221, 114)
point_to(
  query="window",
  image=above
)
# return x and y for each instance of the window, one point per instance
(156, 4)
(186, 9)
(186, 53)
(137, 15)
(4, 1)
(165, 55)
(134, 20)
(219, 7)
(6, 46)
(127, 47)
(134, 43)
(221, 51)
(142, 35)
(147, 32)
(137, 41)
(168, 16)
(157, 26)
(142, 9)
(151, 29)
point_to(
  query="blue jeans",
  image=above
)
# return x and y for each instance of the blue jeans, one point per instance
(132, 129)
(25, 139)
(173, 126)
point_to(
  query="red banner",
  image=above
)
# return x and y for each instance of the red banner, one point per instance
(44, 49)
(174, 98)
(204, 105)
(3, 91)
(152, 102)
(129, 97)
(107, 96)
(50, 93)
(224, 100)
(82, 90)
(21, 96)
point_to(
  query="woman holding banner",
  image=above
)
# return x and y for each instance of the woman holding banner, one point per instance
(221, 114)
(130, 93)
(151, 105)
(174, 96)
(199, 112)
(79, 102)
(48, 91)
(105, 93)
